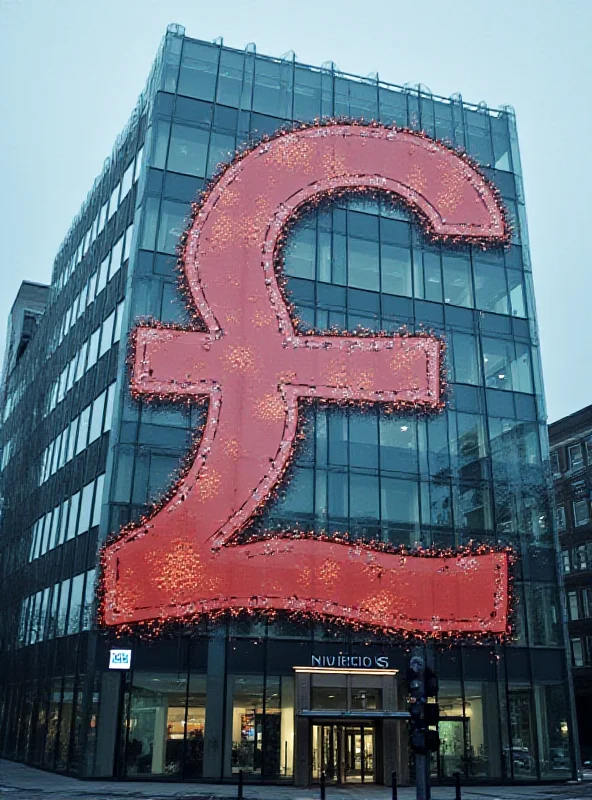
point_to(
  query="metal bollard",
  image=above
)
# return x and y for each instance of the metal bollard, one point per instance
(240, 785)
(322, 786)
(394, 785)
(457, 795)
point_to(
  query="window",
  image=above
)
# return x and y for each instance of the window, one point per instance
(119, 322)
(103, 217)
(93, 348)
(395, 269)
(497, 359)
(572, 606)
(221, 151)
(64, 522)
(585, 602)
(138, 164)
(565, 563)
(150, 223)
(73, 517)
(580, 557)
(490, 287)
(96, 419)
(45, 533)
(92, 285)
(300, 254)
(89, 595)
(72, 439)
(81, 363)
(83, 430)
(53, 539)
(113, 201)
(102, 273)
(172, 225)
(581, 512)
(577, 653)
(80, 368)
(555, 471)
(63, 608)
(576, 459)
(560, 518)
(85, 508)
(126, 181)
(188, 150)
(363, 264)
(107, 334)
(75, 603)
(516, 292)
(116, 257)
(161, 141)
(109, 407)
(128, 244)
(199, 68)
(96, 514)
(457, 281)
(521, 372)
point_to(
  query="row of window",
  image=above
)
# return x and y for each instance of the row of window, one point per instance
(190, 151)
(581, 514)
(73, 517)
(95, 284)
(98, 343)
(574, 457)
(293, 91)
(80, 432)
(579, 604)
(109, 267)
(577, 559)
(59, 610)
(448, 443)
(378, 257)
(353, 501)
(498, 363)
(103, 215)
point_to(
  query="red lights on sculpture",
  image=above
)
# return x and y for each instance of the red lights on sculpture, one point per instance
(254, 369)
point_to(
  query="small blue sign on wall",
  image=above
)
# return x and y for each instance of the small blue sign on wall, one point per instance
(120, 659)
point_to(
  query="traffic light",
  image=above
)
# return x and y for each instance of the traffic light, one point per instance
(422, 683)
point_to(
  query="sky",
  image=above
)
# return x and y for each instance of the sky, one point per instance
(71, 70)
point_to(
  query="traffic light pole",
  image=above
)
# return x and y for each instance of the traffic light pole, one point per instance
(422, 778)
(422, 775)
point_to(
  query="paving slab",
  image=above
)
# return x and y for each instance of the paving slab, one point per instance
(21, 782)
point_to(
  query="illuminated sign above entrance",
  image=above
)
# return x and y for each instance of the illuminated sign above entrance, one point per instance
(255, 368)
(344, 662)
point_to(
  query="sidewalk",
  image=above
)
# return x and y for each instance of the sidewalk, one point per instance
(20, 782)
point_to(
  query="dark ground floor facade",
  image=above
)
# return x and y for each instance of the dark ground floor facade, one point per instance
(281, 703)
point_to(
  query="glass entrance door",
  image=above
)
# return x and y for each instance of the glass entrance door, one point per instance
(344, 753)
(452, 747)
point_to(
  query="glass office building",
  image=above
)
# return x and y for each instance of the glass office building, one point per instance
(81, 458)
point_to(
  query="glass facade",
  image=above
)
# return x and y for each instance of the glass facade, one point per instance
(225, 696)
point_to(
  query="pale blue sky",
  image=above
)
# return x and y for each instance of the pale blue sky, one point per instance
(70, 72)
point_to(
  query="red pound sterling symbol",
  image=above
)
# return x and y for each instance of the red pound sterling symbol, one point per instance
(253, 368)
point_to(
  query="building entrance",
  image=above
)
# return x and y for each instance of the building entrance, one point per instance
(344, 752)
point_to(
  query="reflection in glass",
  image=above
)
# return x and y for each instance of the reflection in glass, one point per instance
(520, 757)
(157, 724)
